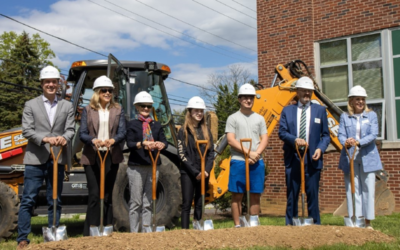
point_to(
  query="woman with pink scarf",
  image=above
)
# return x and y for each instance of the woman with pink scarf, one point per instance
(142, 134)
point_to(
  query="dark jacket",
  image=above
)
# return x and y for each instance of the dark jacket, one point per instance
(135, 134)
(90, 127)
(189, 156)
(319, 136)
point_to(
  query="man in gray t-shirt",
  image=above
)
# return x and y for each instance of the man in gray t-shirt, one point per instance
(246, 124)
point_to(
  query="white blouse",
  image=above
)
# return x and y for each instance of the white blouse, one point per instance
(103, 133)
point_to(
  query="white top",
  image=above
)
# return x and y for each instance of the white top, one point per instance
(358, 127)
(51, 108)
(103, 134)
(308, 117)
(246, 126)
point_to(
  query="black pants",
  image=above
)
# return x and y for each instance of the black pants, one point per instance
(191, 187)
(93, 185)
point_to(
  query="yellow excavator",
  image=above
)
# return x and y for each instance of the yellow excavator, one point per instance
(129, 78)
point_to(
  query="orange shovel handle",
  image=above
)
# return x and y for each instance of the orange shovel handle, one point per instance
(246, 160)
(154, 176)
(55, 171)
(203, 164)
(303, 180)
(351, 158)
(102, 172)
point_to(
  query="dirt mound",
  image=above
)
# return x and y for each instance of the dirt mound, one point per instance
(291, 237)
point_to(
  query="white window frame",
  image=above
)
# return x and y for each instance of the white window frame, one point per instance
(388, 122)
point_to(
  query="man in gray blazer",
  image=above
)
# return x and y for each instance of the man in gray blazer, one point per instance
(46, 121)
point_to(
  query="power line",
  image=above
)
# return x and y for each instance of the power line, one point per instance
(185, 102)
(164, 31)
(244, 6)
(196, 26)
(25, 64)
(235, 9)
(179, 96)
(59, 38)
(192, 37)
(96, 51)
(198, 86)
(225, 15)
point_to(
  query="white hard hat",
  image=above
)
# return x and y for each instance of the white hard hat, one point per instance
(102, 81)
(305, 83)
(49, 72)
(143, 97)
(247, 89)
(357, 91)
(196, 103)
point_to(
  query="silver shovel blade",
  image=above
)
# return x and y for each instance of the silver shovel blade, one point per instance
(208, 225)
(48, 234)
(254, 220)
(160, 229)
(348, 222)
(146, 229)
(243, 221)
(61, 233)
(54, 234)
(303, 221)
(360, 222)
(94, 231)
(308, 221)
(297, 221)
(196, 225)
(108, 230)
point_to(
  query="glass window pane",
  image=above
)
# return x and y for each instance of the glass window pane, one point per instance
(398, 118)
(377, 108)
(396, 70)
(369, 75)
(366, 47)
(396, 42)
(333, 52)
(335, 83)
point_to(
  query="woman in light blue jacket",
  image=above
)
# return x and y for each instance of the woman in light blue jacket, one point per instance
(359, 128)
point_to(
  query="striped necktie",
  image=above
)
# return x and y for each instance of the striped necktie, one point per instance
(303, 123)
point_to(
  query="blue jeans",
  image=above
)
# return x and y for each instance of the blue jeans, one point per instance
(33, 180)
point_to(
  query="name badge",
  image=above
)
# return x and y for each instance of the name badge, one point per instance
(317, 120)
(365, 121)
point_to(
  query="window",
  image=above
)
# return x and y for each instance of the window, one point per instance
(396, 75)
(357, 60)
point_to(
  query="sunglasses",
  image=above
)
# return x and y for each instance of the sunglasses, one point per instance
(146, 106)
(106, 90)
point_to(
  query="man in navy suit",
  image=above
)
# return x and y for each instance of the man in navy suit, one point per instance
(313, 132)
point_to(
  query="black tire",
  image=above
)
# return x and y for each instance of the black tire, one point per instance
(9, 207)
(169, 196)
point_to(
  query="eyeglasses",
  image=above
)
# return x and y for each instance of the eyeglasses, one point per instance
(146, 106)
(106, 90)
(251, 97)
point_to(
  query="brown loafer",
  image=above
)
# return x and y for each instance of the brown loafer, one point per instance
(22, 245)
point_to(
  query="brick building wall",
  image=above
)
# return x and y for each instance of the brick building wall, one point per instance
(286, 31)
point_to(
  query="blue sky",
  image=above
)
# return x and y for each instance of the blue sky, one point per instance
(196, 38)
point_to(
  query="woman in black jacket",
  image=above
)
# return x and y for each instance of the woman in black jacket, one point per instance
(193, 129)
(142, 134)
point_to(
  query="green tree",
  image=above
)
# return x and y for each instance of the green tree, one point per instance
(179, 116)
(21, 57)
(226, 104)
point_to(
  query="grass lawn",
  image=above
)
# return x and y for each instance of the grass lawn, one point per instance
(387, 224)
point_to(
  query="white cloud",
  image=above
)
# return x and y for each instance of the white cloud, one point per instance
(87, 24)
